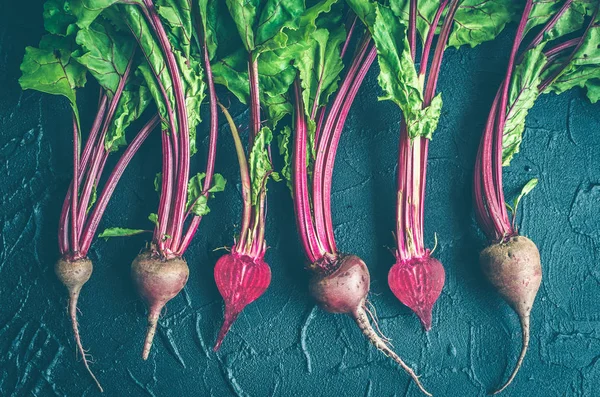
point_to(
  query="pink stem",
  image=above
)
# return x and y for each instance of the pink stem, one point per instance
(75, 190)
(254, 98)
(63, 231)
(323, 142)
(111, 183)
(166, 191)
(304, 221)
(100, 149)
(333, 144)
(212, 149)
(176, 224)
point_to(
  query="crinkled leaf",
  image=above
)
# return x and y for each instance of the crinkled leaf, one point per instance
(120, 232)
(50, 69)
(593, 90)
(86, 11)
(194, 193)
(58, 18)
(218, 184)
(320, 66)
(260, 164)
(153, 218)
(134, 101)
(523, 92)
(105, 52)
(218, 25)
(478, 21)
(155, 63)
(398, 76)
(583, 68)
(178, 17)
(284, 143)
(275, 76)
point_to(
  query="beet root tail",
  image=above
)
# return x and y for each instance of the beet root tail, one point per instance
(73, 298)
(152, 323)
(525, 345)
(230, 317)
(362, 320)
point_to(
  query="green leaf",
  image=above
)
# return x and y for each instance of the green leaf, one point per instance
(218, 184)
(525, 191)
(244, 14)
(320, 66)
(51, 70)
(178, 17)
(86, 11)
(478, 21)
(134, 101)
(155, 64)
(284, 143)
(93, 198)
(260, 164)
(105, 52)
(197, 201)
(523, 92)
(153, 218)
(120, 232)
(58, 18)
(158, 182)
(584, 67)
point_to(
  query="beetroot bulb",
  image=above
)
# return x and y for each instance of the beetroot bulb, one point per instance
(242, 275)
(511, 262)
(82, 208)
(160, 271)
(339, 282)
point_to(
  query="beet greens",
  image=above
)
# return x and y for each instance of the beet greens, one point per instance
(417, 278)
(339, 282)
(59, 67)
(177, 45)
(562, 51)
(259, 73)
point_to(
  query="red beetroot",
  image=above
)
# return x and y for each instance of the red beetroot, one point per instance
(242, 276)
(73, 274)
(340, 284)
(157, 281)
(418, 283)
(515, 269)
(241, 280)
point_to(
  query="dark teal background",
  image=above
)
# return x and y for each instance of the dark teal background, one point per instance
(282, 345)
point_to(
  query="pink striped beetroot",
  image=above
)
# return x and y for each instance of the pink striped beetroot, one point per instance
(242, 275)
(241, 280)
(418, 283)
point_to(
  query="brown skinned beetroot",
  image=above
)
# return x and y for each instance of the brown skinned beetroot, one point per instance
(515, 269)
(157, 281)
(343, 288)
(240, 280)
(418, 283)
(74, 274)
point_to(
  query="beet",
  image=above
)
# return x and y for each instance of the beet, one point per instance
(418, 283)
(341, 286)
(514, 268)
(157, 281)
(73, 274)
(241, 280)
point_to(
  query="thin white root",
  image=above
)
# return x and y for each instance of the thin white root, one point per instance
(152, 323)
(362, 320)
(524, 346)
(73, 298)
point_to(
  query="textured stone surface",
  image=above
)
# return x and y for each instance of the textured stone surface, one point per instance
(282, 345)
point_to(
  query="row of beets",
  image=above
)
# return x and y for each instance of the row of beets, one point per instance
(293, 58)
